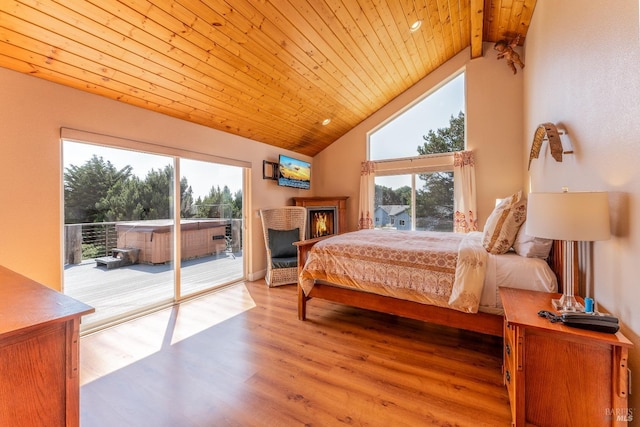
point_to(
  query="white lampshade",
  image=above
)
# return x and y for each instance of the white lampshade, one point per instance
(573, 216)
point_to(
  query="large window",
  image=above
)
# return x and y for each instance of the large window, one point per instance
(143, 229)
(414, 167)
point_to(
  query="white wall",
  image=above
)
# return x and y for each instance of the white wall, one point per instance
(493, 130)
(582, 72)
(32, 111)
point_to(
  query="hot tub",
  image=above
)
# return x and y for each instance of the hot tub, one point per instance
(199, 237)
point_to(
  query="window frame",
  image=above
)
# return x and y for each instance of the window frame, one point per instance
(176, 155)
(438, 162)
(435, 162)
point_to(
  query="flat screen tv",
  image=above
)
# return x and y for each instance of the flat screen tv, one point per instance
(294, 173)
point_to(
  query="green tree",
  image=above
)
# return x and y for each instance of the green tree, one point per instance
(220, 203)
(445, 140)
(122, 201)
(388, 196)
(137, 199)
(97, 192)
(237, 204)
(156, 194)
(434, 201)
(186, 199)
(85, 186)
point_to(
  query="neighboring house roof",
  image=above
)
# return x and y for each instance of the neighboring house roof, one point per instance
(393, 210)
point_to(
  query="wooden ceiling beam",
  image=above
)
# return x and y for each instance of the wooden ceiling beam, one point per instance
(477, 22)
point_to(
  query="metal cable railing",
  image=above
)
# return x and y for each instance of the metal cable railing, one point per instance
(92, 240)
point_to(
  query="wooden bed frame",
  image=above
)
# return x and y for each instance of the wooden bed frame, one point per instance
(491, 324)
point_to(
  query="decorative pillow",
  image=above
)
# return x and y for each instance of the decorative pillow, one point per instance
(281, 242)
(531, 247)
(503, 224)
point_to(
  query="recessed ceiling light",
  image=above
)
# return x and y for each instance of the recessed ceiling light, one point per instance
(415, 26)
(326, 122)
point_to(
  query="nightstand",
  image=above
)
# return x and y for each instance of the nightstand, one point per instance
(557, 375)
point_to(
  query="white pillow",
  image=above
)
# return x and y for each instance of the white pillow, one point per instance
(531, 247)
(503, 224)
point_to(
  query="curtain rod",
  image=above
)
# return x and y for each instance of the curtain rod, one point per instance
(411, 159)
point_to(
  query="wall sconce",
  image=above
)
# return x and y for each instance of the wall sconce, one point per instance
(548, 132)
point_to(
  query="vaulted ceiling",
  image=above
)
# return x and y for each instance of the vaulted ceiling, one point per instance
(272, 71)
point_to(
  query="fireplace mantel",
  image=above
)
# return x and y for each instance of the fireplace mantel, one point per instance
(340, 202)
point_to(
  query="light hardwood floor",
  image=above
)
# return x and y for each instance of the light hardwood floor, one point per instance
(240, 357)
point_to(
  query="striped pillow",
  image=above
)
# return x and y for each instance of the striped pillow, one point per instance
(503, 224)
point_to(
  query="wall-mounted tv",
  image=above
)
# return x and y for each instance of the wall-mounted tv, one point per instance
(294, 173)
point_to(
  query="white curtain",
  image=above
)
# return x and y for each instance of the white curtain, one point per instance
(464, 193)
(367, 189)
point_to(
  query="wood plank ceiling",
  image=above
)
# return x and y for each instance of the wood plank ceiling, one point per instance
(271, 71)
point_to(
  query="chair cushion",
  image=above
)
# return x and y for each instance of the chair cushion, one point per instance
(289, 262)
(281, 242)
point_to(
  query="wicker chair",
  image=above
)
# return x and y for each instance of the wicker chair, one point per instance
(279, 227)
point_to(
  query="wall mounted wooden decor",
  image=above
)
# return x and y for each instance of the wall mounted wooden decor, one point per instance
(549, 132)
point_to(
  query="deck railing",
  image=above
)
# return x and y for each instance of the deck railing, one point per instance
(87, 241)
(92, 240)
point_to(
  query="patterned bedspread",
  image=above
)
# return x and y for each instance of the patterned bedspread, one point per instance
(443, 269)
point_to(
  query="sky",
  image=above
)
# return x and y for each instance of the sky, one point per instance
(200, 175)
(401, 136)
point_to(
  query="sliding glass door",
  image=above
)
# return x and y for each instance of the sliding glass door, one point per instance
(211, 229)
(135, 241)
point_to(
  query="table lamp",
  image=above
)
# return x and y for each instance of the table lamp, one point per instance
(570, 217)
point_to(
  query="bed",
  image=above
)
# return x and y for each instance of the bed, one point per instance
(442, 278)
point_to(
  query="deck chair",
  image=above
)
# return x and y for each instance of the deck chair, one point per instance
(282, 227)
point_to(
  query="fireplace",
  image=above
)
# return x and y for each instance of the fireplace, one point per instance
(321, 221)
(325, 215)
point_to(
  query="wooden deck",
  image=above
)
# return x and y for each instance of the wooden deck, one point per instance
(123, 292)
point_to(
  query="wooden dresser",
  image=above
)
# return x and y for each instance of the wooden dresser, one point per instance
(39, 349)
(557, 375)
